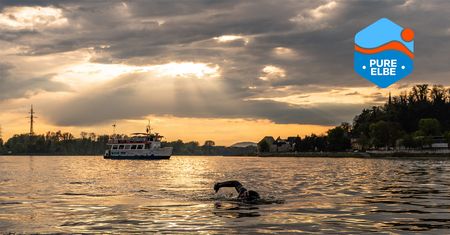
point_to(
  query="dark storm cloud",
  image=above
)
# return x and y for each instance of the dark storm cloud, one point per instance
(16, 87)
(319, 32)
(128, 98)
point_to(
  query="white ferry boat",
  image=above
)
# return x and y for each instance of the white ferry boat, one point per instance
(138, 146)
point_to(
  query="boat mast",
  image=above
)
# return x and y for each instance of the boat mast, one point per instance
(149, 128)
(114, 128)
(114, 131)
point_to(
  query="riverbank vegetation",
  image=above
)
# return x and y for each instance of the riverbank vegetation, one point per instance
(411, 119)
(63, 143)
(414, 119)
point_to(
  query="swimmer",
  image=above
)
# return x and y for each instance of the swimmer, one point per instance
(244, 194)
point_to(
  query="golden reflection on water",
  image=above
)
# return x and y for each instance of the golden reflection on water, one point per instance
(326, 195)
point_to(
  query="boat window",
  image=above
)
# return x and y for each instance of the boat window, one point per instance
(139, 146)
(121, 146)
(114, 147)
(127, 146)
(133, 146)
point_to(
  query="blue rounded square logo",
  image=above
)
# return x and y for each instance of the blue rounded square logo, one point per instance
(384, 52)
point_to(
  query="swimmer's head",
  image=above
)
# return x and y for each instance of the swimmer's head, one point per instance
(252, 196)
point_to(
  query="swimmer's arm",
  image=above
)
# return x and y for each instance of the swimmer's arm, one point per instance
(233, 183)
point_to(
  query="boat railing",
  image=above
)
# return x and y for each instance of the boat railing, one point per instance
(132, 141)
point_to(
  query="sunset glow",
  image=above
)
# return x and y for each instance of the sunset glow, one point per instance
(230, 38)
(88, 73)
(17, 18)
(272, 72)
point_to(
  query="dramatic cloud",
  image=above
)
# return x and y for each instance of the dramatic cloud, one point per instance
(132, 96)
(17, 87)
(286, 61)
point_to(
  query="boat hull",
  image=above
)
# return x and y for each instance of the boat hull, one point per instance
(137, 157)
(144, 154)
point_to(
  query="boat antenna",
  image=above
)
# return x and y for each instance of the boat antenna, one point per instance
(114, 128)
(149, 128)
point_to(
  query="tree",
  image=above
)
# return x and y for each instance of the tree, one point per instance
(297, 144)
(429, 126)
(338, 138)
(207, 147)
(178, 146)
(320, 143)
(419, 93)
(364, 141)
(209, 143)
(347, 127)
(385, 134)
(67, 136)
(1, 145)
(437, 94)
(264, 146)
(379, 134)
(410, 142)
(447, 136)
(84, 135)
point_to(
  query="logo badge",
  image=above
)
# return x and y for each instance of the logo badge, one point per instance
(384, 52)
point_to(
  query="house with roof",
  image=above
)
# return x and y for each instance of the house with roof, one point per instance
(271, 145)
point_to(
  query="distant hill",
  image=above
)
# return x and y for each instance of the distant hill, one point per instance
(244, 144)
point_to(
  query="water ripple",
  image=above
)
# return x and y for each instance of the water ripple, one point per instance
(304, 195)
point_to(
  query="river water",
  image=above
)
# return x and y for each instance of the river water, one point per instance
(310, 195)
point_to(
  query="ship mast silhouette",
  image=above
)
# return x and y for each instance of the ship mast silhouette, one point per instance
(149, 128)
(114, 128)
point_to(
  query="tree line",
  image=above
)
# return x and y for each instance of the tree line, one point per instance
(56, 143)
(64, 143)
(411, 119)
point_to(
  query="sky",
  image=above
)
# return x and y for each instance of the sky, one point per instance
(223, 70)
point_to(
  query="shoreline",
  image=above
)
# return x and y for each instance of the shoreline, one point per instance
(428, 155)
(360, 154)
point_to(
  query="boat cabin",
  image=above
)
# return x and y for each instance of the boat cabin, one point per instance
(137, 141)
(129, 146)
